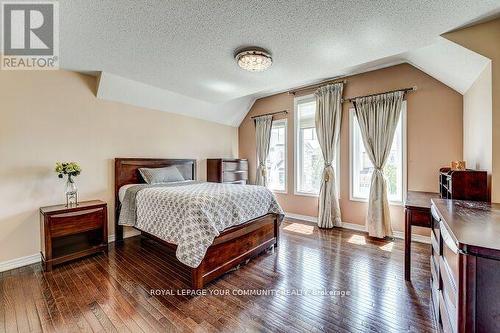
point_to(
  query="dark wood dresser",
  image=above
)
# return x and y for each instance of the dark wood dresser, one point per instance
(465, 265)
(68, 233)
(463, 184)
(223, 170)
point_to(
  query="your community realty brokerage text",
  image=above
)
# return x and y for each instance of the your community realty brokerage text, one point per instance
(249, 292)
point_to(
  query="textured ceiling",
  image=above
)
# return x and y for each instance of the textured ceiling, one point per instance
(187, 47)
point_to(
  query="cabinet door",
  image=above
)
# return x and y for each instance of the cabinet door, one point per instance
(75, 222)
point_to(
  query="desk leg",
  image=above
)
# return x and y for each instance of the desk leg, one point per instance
(407, 245)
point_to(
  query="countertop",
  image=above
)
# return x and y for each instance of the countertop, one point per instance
(473, 225)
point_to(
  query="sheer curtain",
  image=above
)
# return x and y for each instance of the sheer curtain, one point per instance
(262, 140)
(378, 117)
(328, 119)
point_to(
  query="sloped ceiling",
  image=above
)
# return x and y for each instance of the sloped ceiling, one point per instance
(177, 56)
(119, 89)
(450, 63)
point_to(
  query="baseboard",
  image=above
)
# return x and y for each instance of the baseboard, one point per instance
(34, 258)
(126, 234)
(414, 237)
(312, 219)
(358, 227)
(19, 262)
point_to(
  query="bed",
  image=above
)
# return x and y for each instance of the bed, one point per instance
(233, 245)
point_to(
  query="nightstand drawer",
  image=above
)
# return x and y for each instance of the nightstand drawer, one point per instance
(75, 222)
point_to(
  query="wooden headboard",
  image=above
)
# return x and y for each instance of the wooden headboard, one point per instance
(127, 172)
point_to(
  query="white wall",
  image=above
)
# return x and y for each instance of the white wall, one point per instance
(477, 122)
(54, 116)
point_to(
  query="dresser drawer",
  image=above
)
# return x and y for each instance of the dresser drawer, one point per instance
(434, 274)
(443, 315)
(450, 254)
(435, 302)
(435, 229)
(435, 222)
(234, 176)
(238, 182)
(450, 259)
(449, 293)
(234, 165)
(75, 222)
(435, 249)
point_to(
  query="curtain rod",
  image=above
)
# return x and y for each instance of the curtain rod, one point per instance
(387, 92)
(317, 85)
(269, 114)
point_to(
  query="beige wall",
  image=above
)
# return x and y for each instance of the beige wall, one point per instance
(54, 116)
(477, 123)
(484, 39)
(434, 131)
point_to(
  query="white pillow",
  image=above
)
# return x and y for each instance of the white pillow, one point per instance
(161, 175)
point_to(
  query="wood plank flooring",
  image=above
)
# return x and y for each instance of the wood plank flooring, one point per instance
(135, 289)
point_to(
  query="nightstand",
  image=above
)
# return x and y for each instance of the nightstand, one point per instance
(69, 233)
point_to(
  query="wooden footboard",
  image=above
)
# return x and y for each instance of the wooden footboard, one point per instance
(235, 246)
(231, 248)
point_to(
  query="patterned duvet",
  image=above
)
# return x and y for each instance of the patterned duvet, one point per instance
(191, 214)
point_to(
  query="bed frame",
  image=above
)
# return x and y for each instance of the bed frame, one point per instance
(232, 247)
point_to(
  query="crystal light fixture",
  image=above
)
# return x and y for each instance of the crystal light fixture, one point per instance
(254, 59)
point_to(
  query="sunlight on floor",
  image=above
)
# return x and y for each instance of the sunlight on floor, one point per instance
(387, 247)
(357, 239)
(300, 228)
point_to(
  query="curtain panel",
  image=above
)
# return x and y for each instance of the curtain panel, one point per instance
(378, 117)
(262, 141)
(328, 119)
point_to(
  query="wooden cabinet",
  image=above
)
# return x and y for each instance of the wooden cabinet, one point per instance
(465, 265)
(463, 184)
(233, 171)
(68, 233)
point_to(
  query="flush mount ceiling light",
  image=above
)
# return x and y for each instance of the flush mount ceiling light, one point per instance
(254, 59)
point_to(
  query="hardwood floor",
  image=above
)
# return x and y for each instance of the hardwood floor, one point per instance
(114, 292)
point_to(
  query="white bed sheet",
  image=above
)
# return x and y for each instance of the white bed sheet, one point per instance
(122, 190)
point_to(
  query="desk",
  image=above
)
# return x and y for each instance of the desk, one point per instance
(417, 213)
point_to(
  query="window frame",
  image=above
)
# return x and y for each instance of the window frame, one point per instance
(296, 102)
(285, 121)
(404, 133)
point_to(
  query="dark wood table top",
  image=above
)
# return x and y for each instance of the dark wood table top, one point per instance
(472, 224)
(62, 208)
(420, 199)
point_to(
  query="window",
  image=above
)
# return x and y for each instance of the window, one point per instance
(308, 157)
(276, 160)
(362, 168)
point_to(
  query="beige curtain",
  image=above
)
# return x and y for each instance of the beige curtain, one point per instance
(328, 118)
(378, 117)
(262, 140)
